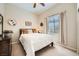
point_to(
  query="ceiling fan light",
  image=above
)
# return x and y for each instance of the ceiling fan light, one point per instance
(34, 5)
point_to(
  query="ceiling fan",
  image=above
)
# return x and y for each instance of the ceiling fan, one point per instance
(34, 5)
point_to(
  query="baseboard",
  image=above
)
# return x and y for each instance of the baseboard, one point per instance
(70, 48)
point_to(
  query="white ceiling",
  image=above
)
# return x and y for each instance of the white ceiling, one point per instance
(29, 7)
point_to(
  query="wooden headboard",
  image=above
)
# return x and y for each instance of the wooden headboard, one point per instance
(26, 31)
(23, 31)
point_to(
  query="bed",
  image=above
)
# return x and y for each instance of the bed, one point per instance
(32, 42)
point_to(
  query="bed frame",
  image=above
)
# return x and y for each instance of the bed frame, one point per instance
(25, 31)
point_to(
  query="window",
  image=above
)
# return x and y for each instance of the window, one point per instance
(53, 24)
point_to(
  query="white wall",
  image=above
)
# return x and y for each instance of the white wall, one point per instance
(69, 21)
(2, 8)
(20, 16)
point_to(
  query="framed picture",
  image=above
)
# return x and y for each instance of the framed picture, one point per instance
(12, 22)
(28, 23)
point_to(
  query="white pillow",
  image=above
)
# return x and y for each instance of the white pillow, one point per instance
(30, 31)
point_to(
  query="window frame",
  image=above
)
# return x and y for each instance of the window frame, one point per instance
(47, 28)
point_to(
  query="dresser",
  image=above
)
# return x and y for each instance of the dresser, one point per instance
(5, 47)
(5, 42)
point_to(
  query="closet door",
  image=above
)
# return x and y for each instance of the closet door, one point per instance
(1, 27)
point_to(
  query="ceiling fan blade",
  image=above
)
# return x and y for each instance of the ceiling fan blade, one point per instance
(34, 5)
(42, 4)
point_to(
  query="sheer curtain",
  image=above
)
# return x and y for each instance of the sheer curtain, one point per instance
(63, 28)
(53, 27)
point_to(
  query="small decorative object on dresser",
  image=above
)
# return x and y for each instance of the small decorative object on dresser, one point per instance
(8, 33)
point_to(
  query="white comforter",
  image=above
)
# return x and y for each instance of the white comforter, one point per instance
(35, 41)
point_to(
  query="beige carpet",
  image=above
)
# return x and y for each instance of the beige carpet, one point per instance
(48, 51)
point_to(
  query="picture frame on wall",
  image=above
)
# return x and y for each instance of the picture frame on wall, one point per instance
(28, 23)
(12, 22)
